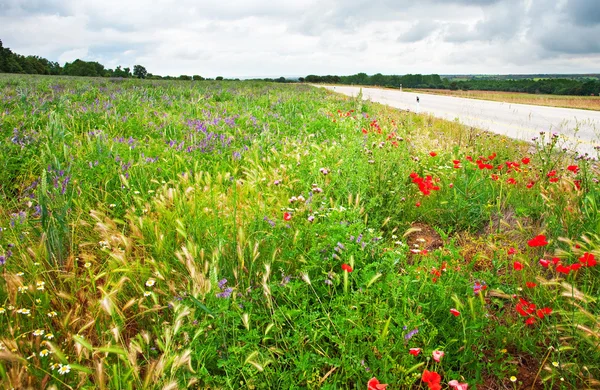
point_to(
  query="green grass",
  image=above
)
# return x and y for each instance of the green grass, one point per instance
(192, 234)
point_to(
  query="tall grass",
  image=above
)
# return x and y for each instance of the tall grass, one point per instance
(241, 234)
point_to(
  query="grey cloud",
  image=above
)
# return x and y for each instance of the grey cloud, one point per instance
(584, 12)
(572, 40)
(419, 31)
(16, 8)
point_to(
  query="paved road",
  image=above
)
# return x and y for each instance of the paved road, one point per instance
(580, 129)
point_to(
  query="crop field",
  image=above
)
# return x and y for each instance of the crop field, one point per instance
(580, 102)
(221, 235)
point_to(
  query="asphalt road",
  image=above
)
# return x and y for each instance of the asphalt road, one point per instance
(579, 129)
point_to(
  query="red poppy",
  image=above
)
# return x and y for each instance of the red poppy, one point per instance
(575, 267)
(554, 180)
(563, 269)
(525, 160)
(530, 284)
(530, 184)
(437, 355)
(346, 267)
(455, 312)
(430, 377)
(414, 351)
(432, 154)
(456, 162)
(573, 168)
(577, 184)
(544, 263)
(287, 216)
(517, 266)
(555, 260)
(539, 240)
(512, 251)
(418, 204)
(492, 156)
(374, 384)
(530, 321)
(588, 259)
(364, 131)
(551, 173)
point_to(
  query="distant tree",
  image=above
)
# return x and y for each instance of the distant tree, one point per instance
(219, 78)
(301, 79)
(140, 72)
(184, 77)
(197, 77)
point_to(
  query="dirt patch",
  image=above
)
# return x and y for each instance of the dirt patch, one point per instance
(421, 236)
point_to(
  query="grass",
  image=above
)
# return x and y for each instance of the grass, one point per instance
(580, 102)
(167, 234)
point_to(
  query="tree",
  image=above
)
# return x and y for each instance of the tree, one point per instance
(197, 77)
(140, 72)
(219, 78)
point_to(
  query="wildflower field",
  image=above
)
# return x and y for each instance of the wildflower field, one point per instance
(220, 235)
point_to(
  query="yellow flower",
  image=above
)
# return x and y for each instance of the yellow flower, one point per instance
(44, 352)
(555, 364)
(513, 378)
(38, 332)
(20, 274)
(52, 314)
(49, 336)
(150, 282)
(2, 310)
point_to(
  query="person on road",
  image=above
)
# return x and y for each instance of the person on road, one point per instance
(417, 99)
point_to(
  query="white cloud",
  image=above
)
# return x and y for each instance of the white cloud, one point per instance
(240, 38)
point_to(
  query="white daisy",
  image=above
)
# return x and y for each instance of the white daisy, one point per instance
(62, 370)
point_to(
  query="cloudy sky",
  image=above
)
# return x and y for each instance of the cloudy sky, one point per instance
(244, 38)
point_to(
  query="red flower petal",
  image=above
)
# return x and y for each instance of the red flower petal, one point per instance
(455, 312)
(374, 384)
(517, 266)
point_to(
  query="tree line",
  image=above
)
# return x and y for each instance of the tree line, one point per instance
(15, 63)
(552, 86)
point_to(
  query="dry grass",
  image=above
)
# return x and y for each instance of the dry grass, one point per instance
(581, 102)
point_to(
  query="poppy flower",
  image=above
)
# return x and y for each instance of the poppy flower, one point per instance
(525, 160)
(563, 269)
(555, 260)
(458, 386)
(454, 312)
(374, 384)
(544, 263)
(530, 321)
(346, 267)
(287, 216)
(588, 259)
(530, 184)
(495, 177)
(432, 154)
(511, 181)
(438, 355)
(418, 204)
(551, 173)
(554, 180)
(573, 168)
(414, 351)
(512, 251)
(517, 266)
(431, 378)
(575, 267)
(539, 240)
(530, 284)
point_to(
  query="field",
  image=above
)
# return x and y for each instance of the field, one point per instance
(581, 102)
(212, 235)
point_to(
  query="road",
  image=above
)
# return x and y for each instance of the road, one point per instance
(580, 129)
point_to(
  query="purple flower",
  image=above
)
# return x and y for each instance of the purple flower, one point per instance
(411, 334)
(226, 293)
(222, 283)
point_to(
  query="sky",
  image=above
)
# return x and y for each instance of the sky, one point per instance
(266, 38)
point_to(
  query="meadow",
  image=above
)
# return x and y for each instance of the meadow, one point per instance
(221, 235)
(580, 102)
